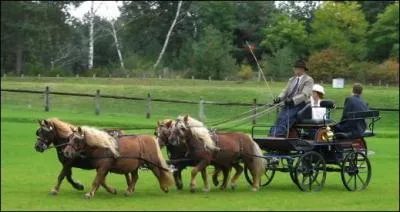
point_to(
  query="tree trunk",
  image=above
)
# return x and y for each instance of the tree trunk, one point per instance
(117, 45)
(19, 57)
(91, 41)
(168, 35)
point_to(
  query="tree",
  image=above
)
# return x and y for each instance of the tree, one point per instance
(371, 9)
(168, 35)
(328, 64)
(384, 34)
(285, 32)
(341, 26)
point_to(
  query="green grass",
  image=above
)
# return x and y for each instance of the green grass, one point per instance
(27, 176)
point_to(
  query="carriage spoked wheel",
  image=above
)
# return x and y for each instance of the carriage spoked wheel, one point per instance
(266, 178)
(310, 172)
(356, 171)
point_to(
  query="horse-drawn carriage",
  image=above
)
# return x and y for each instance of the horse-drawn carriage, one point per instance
(309, 156)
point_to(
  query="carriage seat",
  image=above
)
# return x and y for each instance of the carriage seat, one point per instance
(362, 115)
(348, 135)
(304, 115)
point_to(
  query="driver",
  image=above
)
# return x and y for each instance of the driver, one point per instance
(295, 96)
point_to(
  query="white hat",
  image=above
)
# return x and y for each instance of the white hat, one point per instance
(318, 88)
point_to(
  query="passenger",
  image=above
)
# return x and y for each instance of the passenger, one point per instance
(295, 96)
(353, 103)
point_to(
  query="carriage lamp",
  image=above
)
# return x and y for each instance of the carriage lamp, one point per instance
(329, 134)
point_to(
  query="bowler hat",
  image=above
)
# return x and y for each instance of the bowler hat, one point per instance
(301, 64)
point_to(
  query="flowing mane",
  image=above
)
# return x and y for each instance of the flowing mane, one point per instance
(63, 128)
(99, 138)
(200, 132)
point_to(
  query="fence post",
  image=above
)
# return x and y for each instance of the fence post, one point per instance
(38, 76)
(46, 99)
(58, 76)
(22, 75)
(201, 109)
(192, 77)
(4, 75)
(209, 78)
(148, 113)
(94, 76)
(255, 111)
(97, 102)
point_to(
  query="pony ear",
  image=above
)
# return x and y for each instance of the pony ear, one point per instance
(158, 123)
(168, 124)
(186, 118)
(39, 121)
(46, 122)
(80, 130)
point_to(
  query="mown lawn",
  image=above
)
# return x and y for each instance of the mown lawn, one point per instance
(28, 176)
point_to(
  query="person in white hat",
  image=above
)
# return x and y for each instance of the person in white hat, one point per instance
(317, 95)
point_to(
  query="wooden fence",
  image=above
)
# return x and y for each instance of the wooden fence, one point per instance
(97, 96)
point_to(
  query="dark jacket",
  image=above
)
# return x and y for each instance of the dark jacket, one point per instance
(355, 127)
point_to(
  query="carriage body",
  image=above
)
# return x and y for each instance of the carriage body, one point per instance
(307, 158)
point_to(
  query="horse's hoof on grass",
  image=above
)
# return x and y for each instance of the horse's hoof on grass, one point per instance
(233, 186)
(192, 190)
(215, 182)
(222, 188)
(79, 187)
(254, 189)
(114, 191)
(53, 192)
(127, 194)
(88, 196)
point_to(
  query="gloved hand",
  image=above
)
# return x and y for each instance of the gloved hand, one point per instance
(289, 102)
(277, 100)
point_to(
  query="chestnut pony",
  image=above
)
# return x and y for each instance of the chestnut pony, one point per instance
(180, 151)
(55, 132)
(221, 151)
(133, 151)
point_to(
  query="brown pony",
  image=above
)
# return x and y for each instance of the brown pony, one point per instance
(133, 151)
(55, 132)
(180, 152)
(222, 152)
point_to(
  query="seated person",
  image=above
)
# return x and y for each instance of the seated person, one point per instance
(353, 103)
(295, 96)
(313, 110)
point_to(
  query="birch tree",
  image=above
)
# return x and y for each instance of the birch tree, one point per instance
(168, 35)
(91, 42)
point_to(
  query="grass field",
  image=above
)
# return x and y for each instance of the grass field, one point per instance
(27, 176)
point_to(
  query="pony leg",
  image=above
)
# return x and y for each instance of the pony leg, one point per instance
(162, 177)
(200, 166)
(205, 180)
(215, 176)
(225, 171)
(256, 176)
(109, 189)
(74, 183)
(101, 174)
(131, 182)
(60, 178)
(239, 170)
(178, 179)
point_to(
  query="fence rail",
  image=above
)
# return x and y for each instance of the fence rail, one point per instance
(149, 99)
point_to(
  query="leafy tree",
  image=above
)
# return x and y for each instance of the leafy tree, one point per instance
(342, 26)
(373, 8)
(384, 34)
(209, 56)
(328, 64)
(285, 31)
(281, 64)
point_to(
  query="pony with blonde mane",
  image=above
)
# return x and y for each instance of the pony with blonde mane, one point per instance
(134, 150)
(231, 148)
(101, 139)
(198, 130)
(53, 131)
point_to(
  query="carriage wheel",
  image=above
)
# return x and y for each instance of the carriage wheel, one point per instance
(266, 178)
(310, 172)
(356, 171)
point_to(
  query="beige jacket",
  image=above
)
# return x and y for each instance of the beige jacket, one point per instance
(303, 92)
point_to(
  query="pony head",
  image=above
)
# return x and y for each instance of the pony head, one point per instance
(163, 131)
(179, 130)
(51, 131)
(76, 142)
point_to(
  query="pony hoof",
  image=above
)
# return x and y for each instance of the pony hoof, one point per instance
(127, 194)
(254, 189)
(79, 187)
(215, 182)
(192, 190)
(222, 188)
(53, 192)
(88, 196)
(233, 186)
(206, 189)
(114, 191)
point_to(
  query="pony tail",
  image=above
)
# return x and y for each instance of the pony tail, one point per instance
(165, 176)
(258, 161)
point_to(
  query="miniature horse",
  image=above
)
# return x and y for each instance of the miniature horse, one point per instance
(133, 151)
(180, 151)
(223, 152)
(56, 132)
